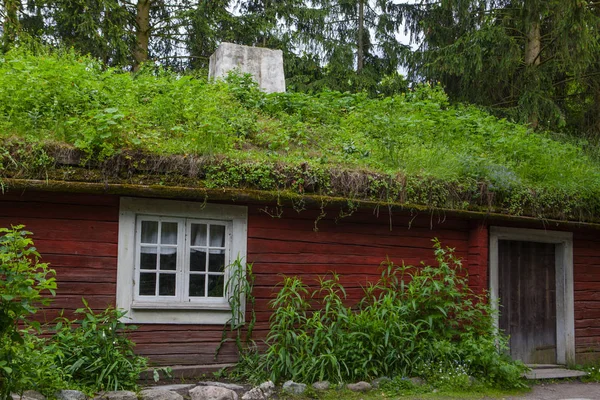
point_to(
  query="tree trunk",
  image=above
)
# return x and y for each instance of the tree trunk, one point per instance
(10, 25)
(533, 47)
(361, 26)
(594, 124)
(142, 33)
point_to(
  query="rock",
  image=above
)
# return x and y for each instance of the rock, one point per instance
(254, 394)
(70, 395)
(292, 387)
(213, 393)
(159, 394)
(321, 385)
(239, 389)
(417, 381)
(181, 388)
(34, 394)
(117, 395)
(28, 395)
(377, 382)
(359, 386)
(268, 388)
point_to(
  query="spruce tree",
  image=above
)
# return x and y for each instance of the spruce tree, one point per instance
(534, 61)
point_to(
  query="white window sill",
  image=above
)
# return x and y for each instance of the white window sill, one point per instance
(138, 305)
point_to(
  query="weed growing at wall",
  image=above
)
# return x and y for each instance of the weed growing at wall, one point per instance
(239, 285)
(95, 351)
(415, 321)
(23, 283)
(90, 354)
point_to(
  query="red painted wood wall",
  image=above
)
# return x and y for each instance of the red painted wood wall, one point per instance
(77, 235)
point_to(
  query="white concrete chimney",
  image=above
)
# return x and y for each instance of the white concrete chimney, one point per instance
(265, 65)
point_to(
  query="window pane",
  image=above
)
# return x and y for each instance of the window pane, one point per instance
(198, 235)
(197, 285)
(148, 258)
(149, 231)
(168, 233)
(197, 260)
(166, 285)
(215, 285)
(147, 284)
(217, 235)
(168, 258)
(216, 260)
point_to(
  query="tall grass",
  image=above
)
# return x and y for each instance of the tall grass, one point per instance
(415, 321)
(65, 97)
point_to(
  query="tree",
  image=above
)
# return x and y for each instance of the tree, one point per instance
(10, 22)
(101, 28)
(535, 61)
(355, 39)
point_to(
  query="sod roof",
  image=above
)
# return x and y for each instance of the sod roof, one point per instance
(69, 122)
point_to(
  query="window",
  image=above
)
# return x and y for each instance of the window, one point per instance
(174, 258)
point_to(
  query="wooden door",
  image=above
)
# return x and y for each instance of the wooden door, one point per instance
(527, 292)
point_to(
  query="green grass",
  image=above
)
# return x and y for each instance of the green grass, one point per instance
(409, 148)
(377, 394)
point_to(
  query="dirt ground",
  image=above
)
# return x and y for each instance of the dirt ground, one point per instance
(563, 391)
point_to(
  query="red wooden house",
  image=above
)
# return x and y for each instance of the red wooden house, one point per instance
(162, 254)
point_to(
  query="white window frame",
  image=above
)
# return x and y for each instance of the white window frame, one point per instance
(178, 309)
(565, 309)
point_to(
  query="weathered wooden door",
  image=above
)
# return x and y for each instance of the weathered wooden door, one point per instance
(527, 291)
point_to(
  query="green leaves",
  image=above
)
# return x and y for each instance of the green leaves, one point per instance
(24, 285)
(91, 354)
(413, 148)
(95, 350)
(415, 321)
(478, 50)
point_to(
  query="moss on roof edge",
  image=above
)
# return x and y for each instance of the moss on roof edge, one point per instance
(259, 197)
(55, 166)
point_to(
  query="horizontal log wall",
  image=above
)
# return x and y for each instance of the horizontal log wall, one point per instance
(77, 235)
(352, 247)
(586, 282)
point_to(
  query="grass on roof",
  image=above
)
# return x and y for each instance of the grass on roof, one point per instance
(68, 98)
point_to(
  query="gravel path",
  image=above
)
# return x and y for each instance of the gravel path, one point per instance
(563, 391)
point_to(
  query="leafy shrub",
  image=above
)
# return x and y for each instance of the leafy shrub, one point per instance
(91, 354)
(415, 321)
(38, 369)
(95, 351)
(23, 281)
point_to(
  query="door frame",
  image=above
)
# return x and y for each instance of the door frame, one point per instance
(565, 314)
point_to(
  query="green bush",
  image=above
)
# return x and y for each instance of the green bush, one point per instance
(90, 354)
(23, 282)
(415, 321)
(95, 351)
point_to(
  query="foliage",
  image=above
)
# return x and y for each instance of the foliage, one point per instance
(412, 148)
(23, 284)
(91, 354)
(36, 367)
(415, 321)
(239, 285)
(593, 371)
(533, 61)
(318, 38)
(95, 351)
